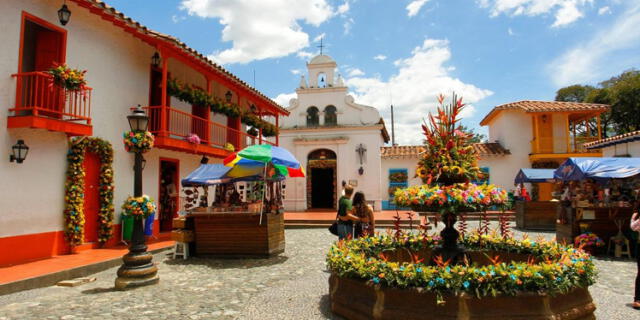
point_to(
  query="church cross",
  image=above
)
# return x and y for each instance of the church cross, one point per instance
(321, 46)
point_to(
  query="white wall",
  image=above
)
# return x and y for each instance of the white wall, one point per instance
(347, 161)
(117, 64)
(622, 149)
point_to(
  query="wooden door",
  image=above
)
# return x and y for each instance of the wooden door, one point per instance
(48, 53)
(91, 196)
(545, 133)
(200, 125)
(233, 135)
(155, 99)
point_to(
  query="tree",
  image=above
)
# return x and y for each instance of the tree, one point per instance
(474, 137)
(574, 93)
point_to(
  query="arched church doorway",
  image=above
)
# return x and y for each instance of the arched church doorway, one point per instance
(321, 179)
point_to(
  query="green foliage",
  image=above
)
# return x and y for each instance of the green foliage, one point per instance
(574, 93)
(474, 137)
(198, 97)
(554, 268)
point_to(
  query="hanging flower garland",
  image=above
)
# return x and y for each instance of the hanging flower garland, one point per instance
(74, 189)
(138, 207)
(198, 97)
(138, 141)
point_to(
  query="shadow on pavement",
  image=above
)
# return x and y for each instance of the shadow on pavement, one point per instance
(324, 305)
(229, 263)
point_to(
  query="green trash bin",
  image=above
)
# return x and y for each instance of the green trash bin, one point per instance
(127, 227)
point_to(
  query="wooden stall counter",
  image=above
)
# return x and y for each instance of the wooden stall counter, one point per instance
(536, 215)
(599, 220)
(237, 234)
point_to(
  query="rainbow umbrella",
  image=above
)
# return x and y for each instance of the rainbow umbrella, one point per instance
(281, 159)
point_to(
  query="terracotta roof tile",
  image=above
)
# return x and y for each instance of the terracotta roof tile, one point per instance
(545, 106)
(400, 152)
(622, 138)
(127, 22)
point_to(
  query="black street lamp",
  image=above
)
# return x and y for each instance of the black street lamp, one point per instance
(155, 60)
(64, 14)
(19, 152)
(138, 268)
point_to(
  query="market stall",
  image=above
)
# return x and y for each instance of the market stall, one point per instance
(536, 214)
(236, 210)
(600, 193)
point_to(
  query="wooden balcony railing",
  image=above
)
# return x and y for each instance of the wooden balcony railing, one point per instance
(553, 145)
(179, 125)
(38, 96)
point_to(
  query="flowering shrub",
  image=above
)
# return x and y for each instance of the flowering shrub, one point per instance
(460, 197)
(67, 78)
(193, 138)
(138, 207)
(556, 269)
(588, 239)
(138, 141)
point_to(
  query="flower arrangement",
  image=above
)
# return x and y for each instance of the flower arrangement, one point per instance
(199, 97)
(138, 141)
(229, 147)
(138, 207)
(460, 197)
(588, 239)
(74, 189)
(556, 269)
(67, 78)
(193, 138)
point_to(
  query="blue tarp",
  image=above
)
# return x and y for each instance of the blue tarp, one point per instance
(597, 168)
(534, 175)
(211, 174)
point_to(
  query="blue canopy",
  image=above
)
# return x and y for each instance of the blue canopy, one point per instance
(597, 168)
(210, 174)
(534, 175)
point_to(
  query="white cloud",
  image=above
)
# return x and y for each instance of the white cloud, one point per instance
(604, 10)
(176, 18)
(414, 7)
(320, 36)
(347, 25)
(565, 12)
(343, 8)
(354, 72)
(588, 62)
(296, 71)
(414, 87)
(304, 55)
(256, 35)
(284, 98)
(380, 57)
(510, 32)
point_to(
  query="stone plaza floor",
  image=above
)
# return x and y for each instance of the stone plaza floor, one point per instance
(293, 285)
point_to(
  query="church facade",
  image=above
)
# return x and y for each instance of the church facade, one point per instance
(336, 139)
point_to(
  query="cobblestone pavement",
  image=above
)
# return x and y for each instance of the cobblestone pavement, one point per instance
(291, 286)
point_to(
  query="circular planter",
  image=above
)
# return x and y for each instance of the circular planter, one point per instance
(356, 299)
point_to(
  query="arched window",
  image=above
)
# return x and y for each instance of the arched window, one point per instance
(322, 80)
(312, 117)
(330, 116)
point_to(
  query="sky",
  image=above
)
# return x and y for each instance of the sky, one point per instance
(406, 52)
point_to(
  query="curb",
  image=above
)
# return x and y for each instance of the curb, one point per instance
(50, 279)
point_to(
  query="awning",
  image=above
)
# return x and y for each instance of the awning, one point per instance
(211, 174)
(534, 175)
(597, 168)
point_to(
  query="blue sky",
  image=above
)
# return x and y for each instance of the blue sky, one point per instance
(489, 51)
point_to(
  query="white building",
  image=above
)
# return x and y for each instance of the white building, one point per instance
(623, 145)
(117, 54)
(336, 139)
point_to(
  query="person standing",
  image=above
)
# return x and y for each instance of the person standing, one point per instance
(345, 218)
(635, 226)
(362, 210)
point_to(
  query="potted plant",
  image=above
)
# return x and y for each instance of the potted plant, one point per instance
(589, 242)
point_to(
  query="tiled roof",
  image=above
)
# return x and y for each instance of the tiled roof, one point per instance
(101, 8)
(622, 138)
(545, 106)
(482, 149)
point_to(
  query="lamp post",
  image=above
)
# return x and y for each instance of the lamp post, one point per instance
(138, 268)
(19, 152)
(64, 14)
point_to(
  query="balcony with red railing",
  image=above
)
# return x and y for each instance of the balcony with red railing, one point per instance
(172, 127)
(44, 105)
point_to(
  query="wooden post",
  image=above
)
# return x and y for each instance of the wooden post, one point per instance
(574, 137)
(568, 133)
(277, 129)
(260, 130)
(599, 127)
(536, 134)
(163, 109)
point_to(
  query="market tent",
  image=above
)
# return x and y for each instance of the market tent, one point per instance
(211, 174)
(534, 175)
(597, 168)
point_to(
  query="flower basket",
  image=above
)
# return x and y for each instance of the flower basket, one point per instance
(193, 138)
(138, 207)
(138, 141)
(67, 78)
(589, 242)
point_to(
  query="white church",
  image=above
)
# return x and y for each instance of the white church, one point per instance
(340, 141)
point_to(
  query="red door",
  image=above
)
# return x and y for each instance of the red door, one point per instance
(48, 52)
(233, 135)
(91, 196)
(200, 125)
